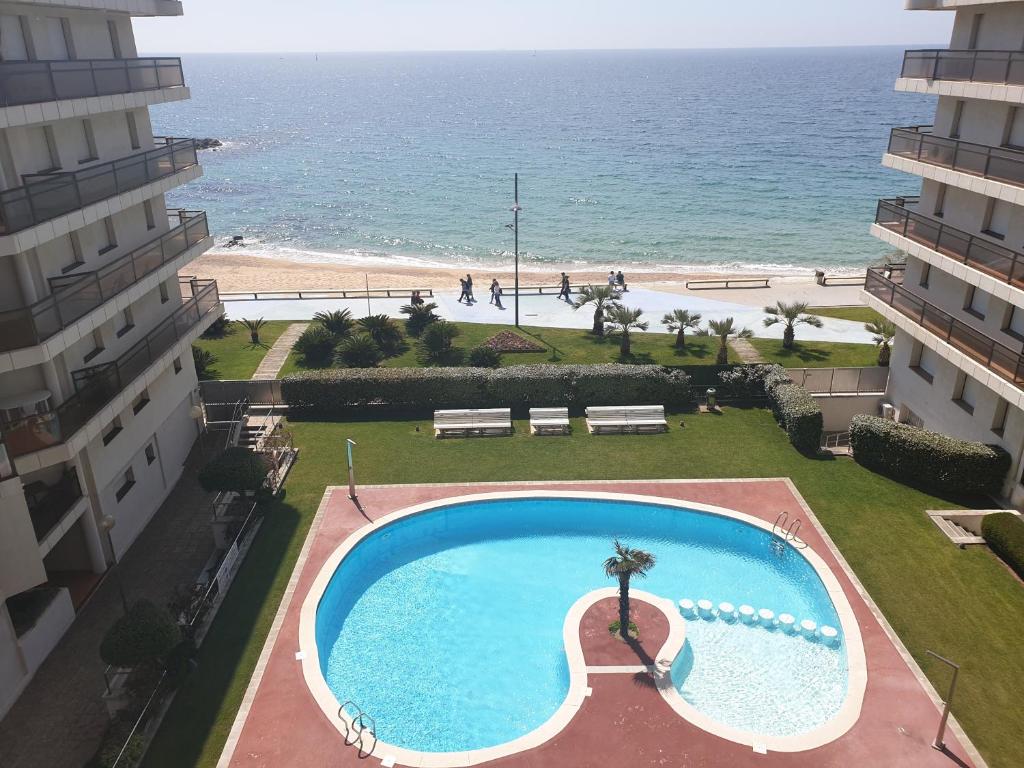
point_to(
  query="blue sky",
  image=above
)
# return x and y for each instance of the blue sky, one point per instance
(404, 25)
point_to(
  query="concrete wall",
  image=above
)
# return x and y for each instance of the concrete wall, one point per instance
(1001, 28)
(21, 566)
(838, 410)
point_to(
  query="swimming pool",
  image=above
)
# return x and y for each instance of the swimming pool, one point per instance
(446, 622)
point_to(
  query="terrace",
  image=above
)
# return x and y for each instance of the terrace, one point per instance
(36, 82)
(919, 143)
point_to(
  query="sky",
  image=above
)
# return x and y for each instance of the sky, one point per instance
(232, 26)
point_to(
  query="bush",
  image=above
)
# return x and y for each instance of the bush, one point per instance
(338, 323)
(316, 345)
(114, 740)
(798, 413)
(437, 340)
(419, 317)
(358, 351)
(145, 635)
(333, 392)
(1004, 533)
(204, 361)
(236, 469)
(747, 382)
(484, 357)
(933, 461)
(385, 332)
(219, 328)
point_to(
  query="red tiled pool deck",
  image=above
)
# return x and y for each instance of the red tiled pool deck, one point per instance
(625, 721)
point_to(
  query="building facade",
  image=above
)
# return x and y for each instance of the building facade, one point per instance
(97, 385)
(958, 300)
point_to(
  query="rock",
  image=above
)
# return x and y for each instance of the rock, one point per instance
(208, 143)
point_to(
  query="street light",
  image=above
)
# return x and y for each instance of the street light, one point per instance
(516, 208)
(107, 523)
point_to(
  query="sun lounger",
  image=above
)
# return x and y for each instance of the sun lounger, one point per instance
(473, 422)
(549, 421)
(623, 419)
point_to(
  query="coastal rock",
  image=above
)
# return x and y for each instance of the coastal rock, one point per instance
(208, 143)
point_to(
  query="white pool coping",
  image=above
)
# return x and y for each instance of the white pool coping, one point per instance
(848, 713)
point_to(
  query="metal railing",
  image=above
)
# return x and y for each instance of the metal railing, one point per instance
(1001, 263)
(45, 196)
(58, 498)
(841, 381)
(996, 163)
(965, 66)
(1000, 359)
(73, 297)
(35, 82)
(96, 386)
(229, 392)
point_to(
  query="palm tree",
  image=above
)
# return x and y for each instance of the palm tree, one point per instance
(792, 315)
(724, 329)
(602, 297)
(338, 323)
(679, 320)
(624, 565)
(623, 320)
(383, 330)
(253, 327)
(884, 331)
(420, 316)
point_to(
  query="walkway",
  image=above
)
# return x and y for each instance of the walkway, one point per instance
(273, 361)
(60, 718)
(746, 351)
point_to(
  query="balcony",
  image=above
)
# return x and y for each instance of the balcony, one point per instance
(995, 163)
(1002, 360)
(1002, 67)
(98, 385)
(45, 196)
(74, 297)
(980, 254)
(47, 504)
(36, 82)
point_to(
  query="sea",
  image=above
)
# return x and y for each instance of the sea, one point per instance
(686, 161)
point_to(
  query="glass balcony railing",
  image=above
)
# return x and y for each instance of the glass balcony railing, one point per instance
(73, 297)
(36, 82)
(47, 505)
(1003, 264)
(96, 386)
(1005, 67)
(996, 163)
(45, 196)
(886, 285)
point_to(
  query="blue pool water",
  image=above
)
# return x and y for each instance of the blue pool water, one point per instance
(447, 626)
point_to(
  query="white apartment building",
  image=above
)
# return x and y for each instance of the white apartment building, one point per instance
(96, 376)
(958, 302)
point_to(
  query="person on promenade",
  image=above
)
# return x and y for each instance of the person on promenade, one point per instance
(469, 289)
(496, 294)
(620, 280)
(611, 278)
(563, 293)
(416, 299)
(465, 291)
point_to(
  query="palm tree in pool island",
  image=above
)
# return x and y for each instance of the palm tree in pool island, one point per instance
(602, 298)
(791, 315)
(624, 565)
(724, 329)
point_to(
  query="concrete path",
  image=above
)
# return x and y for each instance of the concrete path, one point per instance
(273, 361)
(746, 351)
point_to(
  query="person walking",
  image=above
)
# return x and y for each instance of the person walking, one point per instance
(469, 289)
(496, 294)
(564, 291)
(465, 291)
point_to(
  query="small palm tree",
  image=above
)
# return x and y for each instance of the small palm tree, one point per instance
(724, 329)
(602, 297)
(338, 323)
(621, 322)
(419, 317)
(792, 315)
(884, 332)
(624, 565)
(254, 326)
(384, 331)
(679, 320)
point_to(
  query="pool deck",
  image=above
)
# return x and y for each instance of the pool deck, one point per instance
(624, 720)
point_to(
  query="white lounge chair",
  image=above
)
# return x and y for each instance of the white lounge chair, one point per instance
(549, 421)
(473, 422)
(626, 419)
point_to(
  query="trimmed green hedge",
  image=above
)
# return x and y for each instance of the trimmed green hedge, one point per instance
(236, 469)
(927, 459)
(334, 392)
(144, 635)
(1004, 533)
(794, 408)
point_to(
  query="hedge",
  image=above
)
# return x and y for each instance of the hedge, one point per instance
(1004, 533)
(236, 469)
(927, 459)
(794, 407)
(143, 635)
(333, 392)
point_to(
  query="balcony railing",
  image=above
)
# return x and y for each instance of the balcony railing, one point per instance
(73, 297)
(978, 253)
(48, 195)
(966, 66)
(996, 163)
(97, 386)
(35, 82)
(49, 504)
(998, 358)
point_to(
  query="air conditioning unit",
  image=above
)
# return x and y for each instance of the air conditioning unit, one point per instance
(889, 411)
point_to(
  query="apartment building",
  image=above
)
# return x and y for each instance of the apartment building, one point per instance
(97, 385)
(958, 300)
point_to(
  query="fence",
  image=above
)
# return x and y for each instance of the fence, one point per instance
(256, 391)
(841, 381)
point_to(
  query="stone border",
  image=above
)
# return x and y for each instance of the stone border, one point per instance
(328, 703)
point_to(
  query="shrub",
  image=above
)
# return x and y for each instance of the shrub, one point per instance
(385, 332)
(436, 342)
(484, 357)
(935, 462)
(337, 323)
(219, 328)
(419, 317)
(144, 635)
(114, 740)
(798, 413)
(204, 361)
(358, 351)
(747, 382)
(236, 469)
(316, 345)
(1004, 533)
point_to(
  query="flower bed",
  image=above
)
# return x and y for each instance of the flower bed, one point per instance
(506, 341)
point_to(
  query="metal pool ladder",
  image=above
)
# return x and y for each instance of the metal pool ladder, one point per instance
(789, 532)
(357, 727)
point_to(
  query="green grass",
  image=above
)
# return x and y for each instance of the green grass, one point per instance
(237, 356)
(856, 314)
(817, 354)
(962, 604)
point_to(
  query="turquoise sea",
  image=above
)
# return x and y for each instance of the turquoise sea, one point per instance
(748, 159)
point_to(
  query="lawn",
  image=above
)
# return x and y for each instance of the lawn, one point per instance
(237, 357)
(962, 604)
(817, 354)
(856, 314)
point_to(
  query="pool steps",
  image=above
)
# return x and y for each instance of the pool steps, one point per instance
(765, 618)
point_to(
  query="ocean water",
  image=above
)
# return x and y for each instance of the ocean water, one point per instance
(750, 159)
(447, 627)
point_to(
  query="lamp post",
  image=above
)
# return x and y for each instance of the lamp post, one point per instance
(349, 444)
(514, 226)
(107, 523)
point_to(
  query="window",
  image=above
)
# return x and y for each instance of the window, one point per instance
(150, 454)
(997, 219)
(12, 38)
(55, 37)
(128, 322)
(164, 296)
(965, 393)
(133, 130)
(1013, 322)
(958, 116)
(976, 302)
(126, 484)
(926, 272)
(999, 418)
(97, 348)
(140, 402)
(76, 254)
(972, 41)
(112, 431)
(940, 201)
(177, 366)
(88, 153)
(147, 209)
(1013, 136)
(922, 362)
(108, 236)
(115, 39)
(51, 159)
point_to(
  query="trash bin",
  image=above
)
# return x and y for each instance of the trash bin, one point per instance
(819, 277)
(712, 395)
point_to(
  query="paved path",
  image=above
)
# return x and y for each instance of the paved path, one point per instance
(60, 718)
(747, 352)
(273, 361)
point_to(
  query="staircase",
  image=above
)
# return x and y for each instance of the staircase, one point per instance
(259, 422)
